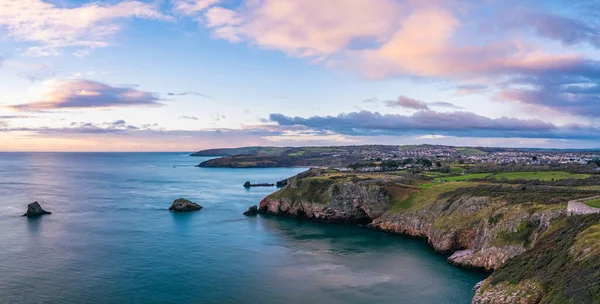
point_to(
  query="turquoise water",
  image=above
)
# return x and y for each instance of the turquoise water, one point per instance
(111, 239)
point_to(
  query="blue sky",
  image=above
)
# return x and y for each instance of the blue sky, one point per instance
(184, 75)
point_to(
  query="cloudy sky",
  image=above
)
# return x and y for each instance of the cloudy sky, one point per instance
(183, 75)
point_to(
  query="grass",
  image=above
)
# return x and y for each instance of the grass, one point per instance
(586, 243)
(456, 170)
(470, 151)
(439, 179)
(310, 189)
(542, 175)
(522, 235)
(595, 203)
(466, 177)
(425, 196)
(299, 153)
(560, 262)
(428, 185)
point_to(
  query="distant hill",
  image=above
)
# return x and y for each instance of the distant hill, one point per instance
(333, 156)
(232, 151)
(371, 155)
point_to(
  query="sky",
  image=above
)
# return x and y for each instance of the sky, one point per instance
(186, 75)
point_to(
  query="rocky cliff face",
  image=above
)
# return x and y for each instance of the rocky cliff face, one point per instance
(331, 202)
(480, 231)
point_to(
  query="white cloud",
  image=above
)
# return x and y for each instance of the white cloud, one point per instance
(53, 27)
(191, 7)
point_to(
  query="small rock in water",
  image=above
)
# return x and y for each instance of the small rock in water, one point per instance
(183, 205)
(248, 185)
(254, 210)
(34, 209)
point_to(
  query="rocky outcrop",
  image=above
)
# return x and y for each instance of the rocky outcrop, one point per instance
(254, 210)
(479, 231)
(248, 184)
(183, 205)
(282, 183)
(323, 201)
(34, 209)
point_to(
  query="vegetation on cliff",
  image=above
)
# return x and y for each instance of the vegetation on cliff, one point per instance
(515, 223)
(564, 265)
(482, 220)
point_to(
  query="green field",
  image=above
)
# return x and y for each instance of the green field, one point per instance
(440, 179)
(470, 151)
(542, 176)
(466, 177)
(595, 203)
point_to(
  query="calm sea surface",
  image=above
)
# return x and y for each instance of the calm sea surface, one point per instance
(111, 239)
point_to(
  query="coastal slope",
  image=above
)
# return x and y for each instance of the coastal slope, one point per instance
(563, 267)
(482, 224)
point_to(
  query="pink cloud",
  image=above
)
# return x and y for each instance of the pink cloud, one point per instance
(85, 93)
(54, 27)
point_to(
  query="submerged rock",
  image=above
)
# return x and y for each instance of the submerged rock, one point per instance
(254, 210)
(34, 209)
(183, 205)
(248, 185)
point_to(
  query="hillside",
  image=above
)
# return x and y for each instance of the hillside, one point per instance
(375, 157)
(480, 220)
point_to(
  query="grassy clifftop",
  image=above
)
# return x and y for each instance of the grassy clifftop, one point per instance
(484, 221)
(563, 266)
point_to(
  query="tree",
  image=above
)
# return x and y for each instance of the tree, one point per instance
(389, 165)
(438, 164)
(407, 161)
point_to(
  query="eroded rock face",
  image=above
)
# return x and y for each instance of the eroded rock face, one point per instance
(349, 203)
(183, 205)
(479, 231)
(34, 209)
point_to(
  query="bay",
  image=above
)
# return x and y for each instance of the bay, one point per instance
(111, 239)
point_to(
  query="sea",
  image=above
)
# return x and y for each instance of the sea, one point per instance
(111, 239)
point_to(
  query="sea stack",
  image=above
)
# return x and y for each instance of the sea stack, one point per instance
(248, 184)
(183, 205)
(34, 209)
(254, 210)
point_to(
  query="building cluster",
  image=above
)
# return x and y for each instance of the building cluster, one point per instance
(447, 155)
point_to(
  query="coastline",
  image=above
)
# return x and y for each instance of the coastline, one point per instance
(477, 224)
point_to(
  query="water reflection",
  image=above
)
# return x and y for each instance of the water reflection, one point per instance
(34, 225)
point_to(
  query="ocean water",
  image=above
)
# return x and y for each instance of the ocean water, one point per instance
(111, 239)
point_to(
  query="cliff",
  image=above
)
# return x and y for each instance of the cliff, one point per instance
(482, 225)
(563, 267)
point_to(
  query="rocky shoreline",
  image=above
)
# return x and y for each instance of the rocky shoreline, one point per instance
(481, 227)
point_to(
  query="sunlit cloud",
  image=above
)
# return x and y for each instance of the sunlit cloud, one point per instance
(437, 40)
(52, 27)
(85, 93)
